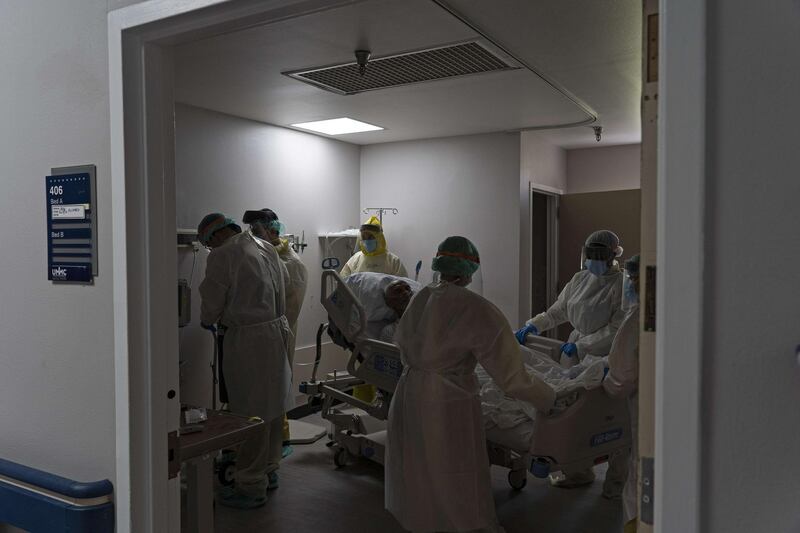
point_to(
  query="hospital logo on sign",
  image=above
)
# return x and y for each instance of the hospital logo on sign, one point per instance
(59, 273)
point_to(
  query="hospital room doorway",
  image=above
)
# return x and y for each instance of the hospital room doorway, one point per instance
(544, 250)
(558, 223)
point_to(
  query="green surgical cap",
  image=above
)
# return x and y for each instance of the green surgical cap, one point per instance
(212, 223)
(456, 256)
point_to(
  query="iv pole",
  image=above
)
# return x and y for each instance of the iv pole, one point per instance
(380, 211)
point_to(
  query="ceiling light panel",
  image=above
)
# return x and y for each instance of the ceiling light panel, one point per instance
(337, 126)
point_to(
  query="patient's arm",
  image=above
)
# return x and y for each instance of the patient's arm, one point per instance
(501, 360)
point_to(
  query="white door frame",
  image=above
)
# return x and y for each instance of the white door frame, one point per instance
(142, 176)
(680, 264)
(144, 228)
(553, 195)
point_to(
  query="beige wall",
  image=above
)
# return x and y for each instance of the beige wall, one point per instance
(543, 166)
(581, 214)
(451, 186)
(607, 168)
(542, 163)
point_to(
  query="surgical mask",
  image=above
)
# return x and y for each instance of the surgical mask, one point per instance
(629, 290)
(596, 267)
(370, 245)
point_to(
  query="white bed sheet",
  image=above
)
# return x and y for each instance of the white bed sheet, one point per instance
(368, 288)
(510, 422)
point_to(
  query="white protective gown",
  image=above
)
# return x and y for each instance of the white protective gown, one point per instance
(593, 305)
(295, 288)
(385, 263)
(622, 382)
(437, 470)
(244, 290)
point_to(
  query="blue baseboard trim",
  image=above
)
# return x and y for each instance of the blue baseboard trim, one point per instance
(40, 502)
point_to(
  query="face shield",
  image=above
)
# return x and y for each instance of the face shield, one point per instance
(476, 285)
(273, 228)
(597, 258)
(598, 252)
(630, 296)
(630, 283)
(371, 243)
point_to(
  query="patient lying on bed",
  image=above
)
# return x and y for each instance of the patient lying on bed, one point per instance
(506, 421)
(384, 298)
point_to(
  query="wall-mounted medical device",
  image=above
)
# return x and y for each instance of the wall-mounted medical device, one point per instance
(187, 237)
(298, 243)
(187, 241)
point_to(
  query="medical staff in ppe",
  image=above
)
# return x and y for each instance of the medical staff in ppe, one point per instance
(592, 303)
(244, 290)
(622, 382)
(437, 471)
(264, 224)
(374, 255)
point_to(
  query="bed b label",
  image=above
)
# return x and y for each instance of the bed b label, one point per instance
(606, 437)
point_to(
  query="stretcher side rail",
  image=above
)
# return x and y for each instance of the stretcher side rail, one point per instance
(342, 306)
(546, 345)
(589, 432)
(357, 426)
(377, 363)
(593, 429)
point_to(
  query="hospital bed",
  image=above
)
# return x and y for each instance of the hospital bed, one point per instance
(588, 431)
(358, 428)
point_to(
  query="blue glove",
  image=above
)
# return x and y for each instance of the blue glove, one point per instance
(570, 349)
(521, 333)
(209, 327)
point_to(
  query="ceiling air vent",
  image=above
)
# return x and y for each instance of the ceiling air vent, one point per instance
(403, 69)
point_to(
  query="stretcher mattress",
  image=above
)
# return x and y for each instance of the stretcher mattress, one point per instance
(510, 422)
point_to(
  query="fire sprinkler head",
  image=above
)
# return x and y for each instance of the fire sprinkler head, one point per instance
(362, 58)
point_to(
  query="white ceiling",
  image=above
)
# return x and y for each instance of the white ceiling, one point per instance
(590, 47)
